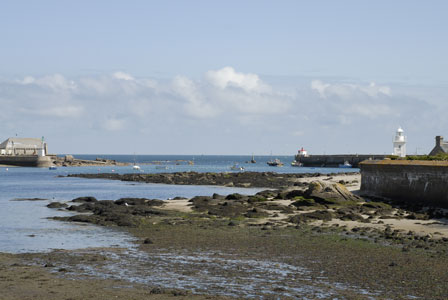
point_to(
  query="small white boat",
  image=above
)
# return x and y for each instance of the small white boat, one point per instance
(296, 163)
(236, 168)
(135, 167)
(345, 165)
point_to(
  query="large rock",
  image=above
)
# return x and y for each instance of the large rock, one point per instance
(330, 193)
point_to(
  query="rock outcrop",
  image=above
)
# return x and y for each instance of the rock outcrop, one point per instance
(330, 193)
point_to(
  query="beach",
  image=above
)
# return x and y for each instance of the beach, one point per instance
(274, 244)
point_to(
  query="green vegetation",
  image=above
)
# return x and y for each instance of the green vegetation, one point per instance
(438, 157)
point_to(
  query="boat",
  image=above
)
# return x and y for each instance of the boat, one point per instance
(235, 167)
(52, 168)
(296, 163)
(135, 167)
(253, 161)
(345, 165)
(275, 163)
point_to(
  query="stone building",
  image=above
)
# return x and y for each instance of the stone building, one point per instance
(23, 146)
(440, 147)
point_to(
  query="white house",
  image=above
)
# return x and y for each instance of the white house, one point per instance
(23, 146)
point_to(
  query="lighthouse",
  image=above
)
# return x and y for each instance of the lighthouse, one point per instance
(399, 143)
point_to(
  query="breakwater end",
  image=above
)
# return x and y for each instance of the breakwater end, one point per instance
(336, 159)
(70, 161)
(414, 182)
(54, 160)
(26, 161)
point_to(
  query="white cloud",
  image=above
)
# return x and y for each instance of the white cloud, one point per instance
(345, 90)
(122, 76)
(227, 92)
(228, 77)
(348, 101)
(196, 103)
(54, 82)
(222, 106)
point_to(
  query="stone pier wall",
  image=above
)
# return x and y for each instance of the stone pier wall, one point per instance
(413, 181)
(335, 160)
(26, 160)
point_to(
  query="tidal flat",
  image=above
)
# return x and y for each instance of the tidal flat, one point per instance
(277, 244)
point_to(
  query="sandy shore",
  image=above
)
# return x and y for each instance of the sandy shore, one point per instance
(279, 244)
(434, 228)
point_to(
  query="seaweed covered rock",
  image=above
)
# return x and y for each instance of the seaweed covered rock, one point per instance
(87, 199)
(330, 193)
(323, 215)
(304, 202)
(57, 205)
(256, 213)
(139, 201)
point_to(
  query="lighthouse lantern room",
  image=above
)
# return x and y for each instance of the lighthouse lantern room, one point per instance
(302, 152)
(399, 143)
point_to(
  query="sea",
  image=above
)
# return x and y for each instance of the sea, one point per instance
(25, 224)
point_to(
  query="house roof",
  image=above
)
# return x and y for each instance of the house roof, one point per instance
(22, 142)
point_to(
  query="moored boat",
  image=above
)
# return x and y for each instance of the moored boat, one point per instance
(296, 163)
(275, 163)
(235, 167)
(345, 165)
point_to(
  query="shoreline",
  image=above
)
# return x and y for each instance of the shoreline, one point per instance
(302, 229)
(228, 179)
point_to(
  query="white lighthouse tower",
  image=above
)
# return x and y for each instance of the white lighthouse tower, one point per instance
(399, 143)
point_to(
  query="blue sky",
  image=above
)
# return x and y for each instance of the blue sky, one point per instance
(229, 77)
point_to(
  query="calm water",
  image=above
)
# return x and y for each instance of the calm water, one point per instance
(209, 163)
(24, 226)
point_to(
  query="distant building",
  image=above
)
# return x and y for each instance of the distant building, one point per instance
(399, 143)
(441, 146)
(23, 146)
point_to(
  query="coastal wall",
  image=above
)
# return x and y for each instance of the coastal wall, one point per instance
(336, 160)
(411, 181)
(26, 160)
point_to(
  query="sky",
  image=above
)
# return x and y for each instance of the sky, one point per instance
(224, 77)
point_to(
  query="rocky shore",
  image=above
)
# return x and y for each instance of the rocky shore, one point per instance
(240, 179)
(70, 161)
(308, 236)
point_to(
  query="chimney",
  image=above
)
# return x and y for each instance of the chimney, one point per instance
(439, 140)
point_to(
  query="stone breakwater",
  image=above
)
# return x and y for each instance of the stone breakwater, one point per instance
(25, 161)
(410, 182)
(243, 179)
(70, 161)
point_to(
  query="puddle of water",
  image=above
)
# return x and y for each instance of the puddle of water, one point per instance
(213, 273)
